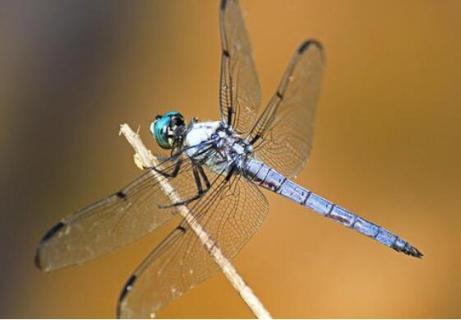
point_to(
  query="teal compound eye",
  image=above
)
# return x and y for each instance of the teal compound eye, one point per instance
(163, 128)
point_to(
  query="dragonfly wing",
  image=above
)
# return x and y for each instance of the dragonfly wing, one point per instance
(230, 212)
(240, 92)
(114, 221)
(282, 136)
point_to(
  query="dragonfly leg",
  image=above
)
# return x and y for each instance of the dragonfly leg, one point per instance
(204, 177)
(199, 175)
(171, 174)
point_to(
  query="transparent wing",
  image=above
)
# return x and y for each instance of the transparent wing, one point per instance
(114, 221)
(282, 136)
(239, 93)
(230, 212)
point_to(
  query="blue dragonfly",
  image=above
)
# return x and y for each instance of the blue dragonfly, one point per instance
(217, 168)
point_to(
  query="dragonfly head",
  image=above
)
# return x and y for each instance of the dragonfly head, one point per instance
(167, 128)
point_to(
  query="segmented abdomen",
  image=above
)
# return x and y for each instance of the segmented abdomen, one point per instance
(270, 179)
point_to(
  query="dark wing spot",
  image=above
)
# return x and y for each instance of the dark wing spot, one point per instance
(306, 44)
(121, 195)
(226, 53)
(127, 288)
(256, 138)
(52, 232)
(223, 4)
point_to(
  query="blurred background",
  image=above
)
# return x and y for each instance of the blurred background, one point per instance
(386, 146)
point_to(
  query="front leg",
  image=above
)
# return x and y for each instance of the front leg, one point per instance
(199, 175)
(171, 174)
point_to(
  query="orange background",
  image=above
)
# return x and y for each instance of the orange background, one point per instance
(386, 146)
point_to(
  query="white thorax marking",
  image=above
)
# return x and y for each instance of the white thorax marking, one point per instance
(198, 133)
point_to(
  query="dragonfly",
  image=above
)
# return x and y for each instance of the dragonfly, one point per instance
(218, 169)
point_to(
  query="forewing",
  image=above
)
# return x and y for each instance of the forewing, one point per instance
(282, 135)
(230, 213)
(114, 221)
(240, 92)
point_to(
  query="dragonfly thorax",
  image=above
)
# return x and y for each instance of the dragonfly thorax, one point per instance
(226, 147)
(198, 134)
